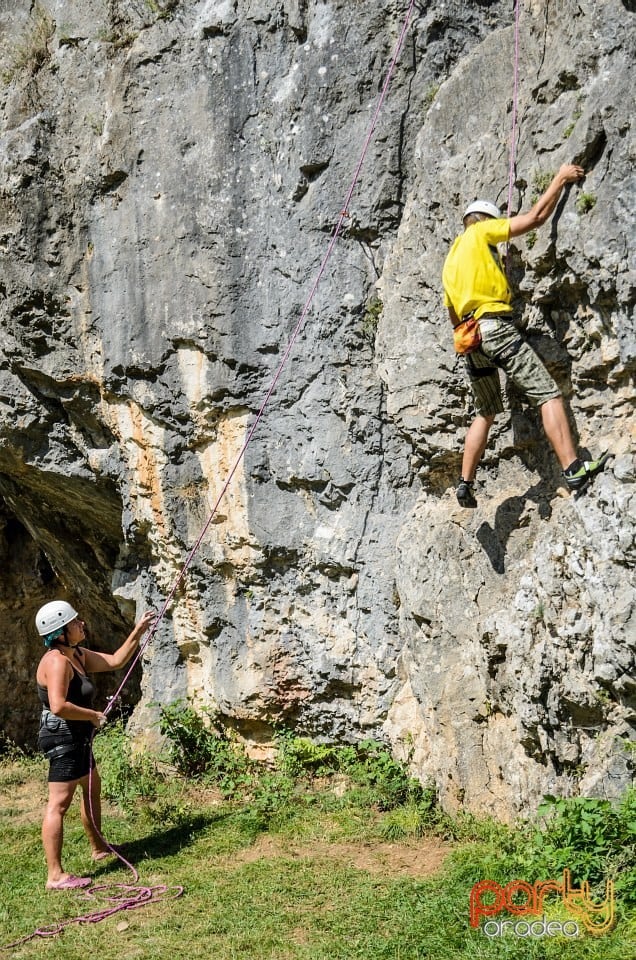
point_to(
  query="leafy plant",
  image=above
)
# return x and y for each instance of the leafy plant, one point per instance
(585, 203)
(95, 123)
(531, 239)
(126, 775)
(384, 781)
(300, 755)
(593, 838)
(200, 747)
(541, 180)
(272, 792)
(119, 41)
(164, 10)
(575, 117)
(430, 94)
(371, 318)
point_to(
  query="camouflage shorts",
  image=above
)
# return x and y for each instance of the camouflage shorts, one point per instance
(504, 347)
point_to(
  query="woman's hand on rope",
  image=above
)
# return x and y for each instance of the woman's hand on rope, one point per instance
(98, 719)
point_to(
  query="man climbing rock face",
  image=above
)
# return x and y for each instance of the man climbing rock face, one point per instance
(476, 288)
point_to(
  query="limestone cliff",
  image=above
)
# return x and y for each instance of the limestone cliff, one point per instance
(170, 174)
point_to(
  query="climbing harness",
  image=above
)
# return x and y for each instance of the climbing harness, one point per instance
(129, 897)
(54, 729)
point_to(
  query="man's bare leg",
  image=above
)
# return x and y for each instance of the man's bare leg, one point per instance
(557, 429)
(475, 444)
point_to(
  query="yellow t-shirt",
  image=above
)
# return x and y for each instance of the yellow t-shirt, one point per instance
(473, 275)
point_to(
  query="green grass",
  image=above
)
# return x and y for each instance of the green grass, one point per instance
(320, 875)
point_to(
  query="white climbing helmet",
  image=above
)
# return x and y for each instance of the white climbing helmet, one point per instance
(483, 206)
(53, 616)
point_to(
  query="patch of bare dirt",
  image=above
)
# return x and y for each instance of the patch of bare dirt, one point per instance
(415, 858)
(22, 798)
(204, 796)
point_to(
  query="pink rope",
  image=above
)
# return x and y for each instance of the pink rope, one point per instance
(132, 897)
(119, 897)
(515, 98)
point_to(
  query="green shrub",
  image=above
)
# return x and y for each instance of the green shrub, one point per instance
(298, 756)
(541, 180)
(585, 203)
(377, 777)
(199, 746)
(594, 839)
(162, 10)
(273, 792)
(575, 116)
(371, 318)
(385, 781)
(126, 776)
(430, 94)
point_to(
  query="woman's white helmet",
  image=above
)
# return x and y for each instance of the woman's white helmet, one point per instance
(53, 616)
(483, 206)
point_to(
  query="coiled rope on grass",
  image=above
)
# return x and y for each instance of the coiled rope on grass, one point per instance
(117, 898)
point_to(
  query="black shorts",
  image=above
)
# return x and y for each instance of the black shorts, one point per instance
(72, 765)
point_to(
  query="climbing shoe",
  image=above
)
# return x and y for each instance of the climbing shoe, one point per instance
(578, 475)
(464, 494)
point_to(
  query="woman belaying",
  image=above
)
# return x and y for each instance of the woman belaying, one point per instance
(66, 728)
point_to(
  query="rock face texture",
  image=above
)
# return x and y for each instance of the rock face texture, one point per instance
(170, 175)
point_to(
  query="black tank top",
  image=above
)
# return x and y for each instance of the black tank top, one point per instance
(81, 691)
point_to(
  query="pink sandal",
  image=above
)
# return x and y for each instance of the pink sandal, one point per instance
(70, 883)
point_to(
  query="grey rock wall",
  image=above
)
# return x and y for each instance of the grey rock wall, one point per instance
(170, 175)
